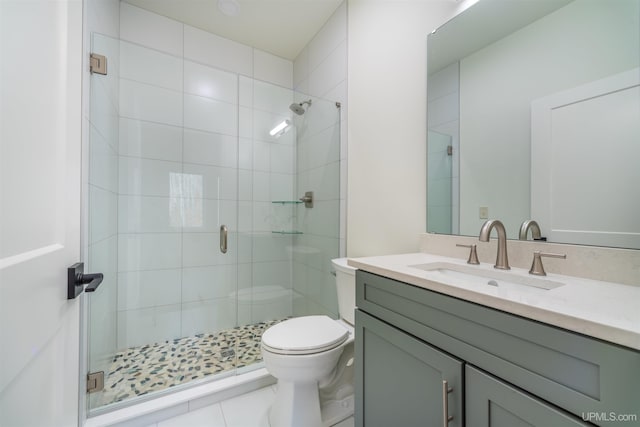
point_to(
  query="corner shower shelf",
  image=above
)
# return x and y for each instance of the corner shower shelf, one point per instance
(286, 202)
(287, 232)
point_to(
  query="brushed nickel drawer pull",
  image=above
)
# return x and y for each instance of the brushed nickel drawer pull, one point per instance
(445, 403)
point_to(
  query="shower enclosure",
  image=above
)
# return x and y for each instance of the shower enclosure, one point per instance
(195, 218)
(441, 184)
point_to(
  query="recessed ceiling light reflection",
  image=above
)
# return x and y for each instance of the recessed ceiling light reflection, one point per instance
(229, 7)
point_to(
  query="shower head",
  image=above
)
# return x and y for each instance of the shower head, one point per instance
(298, 108)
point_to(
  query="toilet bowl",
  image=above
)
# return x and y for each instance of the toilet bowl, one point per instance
(311, 357)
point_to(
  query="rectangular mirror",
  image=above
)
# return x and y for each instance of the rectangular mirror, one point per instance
(539, 101)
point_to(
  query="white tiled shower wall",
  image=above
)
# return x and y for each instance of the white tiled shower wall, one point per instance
(320, 70)
(188, 100)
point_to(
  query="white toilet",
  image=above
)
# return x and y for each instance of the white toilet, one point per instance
(312, 359)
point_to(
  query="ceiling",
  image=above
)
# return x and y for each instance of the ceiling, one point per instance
(280, 27)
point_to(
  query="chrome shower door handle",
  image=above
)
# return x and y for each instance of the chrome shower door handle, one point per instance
(445, 403)
(223, 239)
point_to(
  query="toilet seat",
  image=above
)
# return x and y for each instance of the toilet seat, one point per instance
(304, 335)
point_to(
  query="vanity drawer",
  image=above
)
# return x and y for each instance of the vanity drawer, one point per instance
(573, 371)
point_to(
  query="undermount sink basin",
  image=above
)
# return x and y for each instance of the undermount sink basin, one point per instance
(476, 275)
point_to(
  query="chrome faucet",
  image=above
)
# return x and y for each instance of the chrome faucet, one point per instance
(502, 262)
(535, 230)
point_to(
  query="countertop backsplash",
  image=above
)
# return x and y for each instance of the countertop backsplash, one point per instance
(589, 262)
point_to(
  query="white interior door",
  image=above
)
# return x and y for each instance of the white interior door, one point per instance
(585, 146)
(40, 176)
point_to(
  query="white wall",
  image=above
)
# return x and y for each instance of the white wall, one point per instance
(560, 54)
(386, 206)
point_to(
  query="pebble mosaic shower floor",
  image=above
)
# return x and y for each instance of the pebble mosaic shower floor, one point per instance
(141, 370)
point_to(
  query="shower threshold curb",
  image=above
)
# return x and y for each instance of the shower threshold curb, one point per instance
(181, 402)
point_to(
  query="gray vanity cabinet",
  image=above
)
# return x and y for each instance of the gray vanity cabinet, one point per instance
(504, 370)
(404, 378)
(490, 402)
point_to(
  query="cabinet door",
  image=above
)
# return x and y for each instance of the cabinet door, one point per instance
(491, 402)
(400, 379)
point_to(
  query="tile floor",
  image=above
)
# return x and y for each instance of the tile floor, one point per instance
(141, 370)
(247, 410)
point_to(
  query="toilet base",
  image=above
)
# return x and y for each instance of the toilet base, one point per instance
(296, 404)
(304, 410)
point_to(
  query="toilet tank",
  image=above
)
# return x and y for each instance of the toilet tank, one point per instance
(346, 286)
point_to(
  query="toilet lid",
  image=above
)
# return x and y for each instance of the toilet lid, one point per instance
(304, 335)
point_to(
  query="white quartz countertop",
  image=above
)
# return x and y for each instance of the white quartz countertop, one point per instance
(604, 310)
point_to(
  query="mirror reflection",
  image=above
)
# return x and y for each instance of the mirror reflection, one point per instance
(534, 113)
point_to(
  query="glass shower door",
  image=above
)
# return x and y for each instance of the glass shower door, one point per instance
(163, 181)
(103, 212)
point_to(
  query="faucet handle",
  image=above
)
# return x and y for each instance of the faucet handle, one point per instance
(536, 267)
(473, 254)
